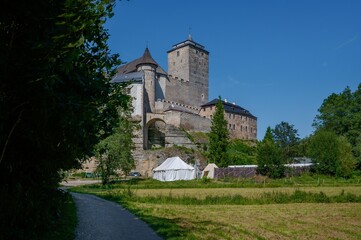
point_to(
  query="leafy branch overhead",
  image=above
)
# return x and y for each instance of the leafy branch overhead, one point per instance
(56, 101)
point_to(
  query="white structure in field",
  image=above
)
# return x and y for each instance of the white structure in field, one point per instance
(173, 169)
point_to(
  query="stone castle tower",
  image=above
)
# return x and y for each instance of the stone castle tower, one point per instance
(188, 62)
(148, 66)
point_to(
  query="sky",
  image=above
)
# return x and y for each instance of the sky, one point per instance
(279, 59)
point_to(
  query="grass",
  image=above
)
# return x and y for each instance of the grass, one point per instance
(64, 228)
(294, 182)
(315, 207)
(275, 221)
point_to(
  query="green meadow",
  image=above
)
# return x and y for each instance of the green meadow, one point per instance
(306, 207)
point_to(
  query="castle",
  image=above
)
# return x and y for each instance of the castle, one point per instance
(165, 104)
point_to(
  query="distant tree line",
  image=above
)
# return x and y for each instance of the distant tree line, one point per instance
(334, 147)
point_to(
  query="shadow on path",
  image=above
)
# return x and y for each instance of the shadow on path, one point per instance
(102, 219)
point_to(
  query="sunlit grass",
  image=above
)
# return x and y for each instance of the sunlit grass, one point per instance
(300, 208)
(275, 221)
(245, 192)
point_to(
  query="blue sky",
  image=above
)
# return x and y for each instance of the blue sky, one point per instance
(278, 59)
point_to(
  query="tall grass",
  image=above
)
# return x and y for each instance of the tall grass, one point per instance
(266, 198)
(302, 181)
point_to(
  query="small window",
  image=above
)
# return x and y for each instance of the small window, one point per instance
(202, 96)
(204, 109)
(177, 53)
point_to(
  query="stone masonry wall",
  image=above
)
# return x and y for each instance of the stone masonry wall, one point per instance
(239, 126)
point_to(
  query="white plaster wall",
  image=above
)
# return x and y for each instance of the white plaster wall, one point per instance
(160, 88)
(136, 92)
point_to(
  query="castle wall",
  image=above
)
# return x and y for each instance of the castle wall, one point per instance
(160, 87)
(136, 92)
(186, 92)
(195, 123)
(239, 126)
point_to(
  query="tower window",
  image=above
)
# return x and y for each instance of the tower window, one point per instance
(177, 53)
(202, 96)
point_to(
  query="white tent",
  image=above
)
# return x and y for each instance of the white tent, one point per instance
(209, 170)
(173, 169)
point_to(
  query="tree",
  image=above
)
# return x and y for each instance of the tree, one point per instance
(218, 137)
(341, 113)
(56, 103)
(115, 152)
(331, 154)
(286, 137)
(242, 152)
(270, 158)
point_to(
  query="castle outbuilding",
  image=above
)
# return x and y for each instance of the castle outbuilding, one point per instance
(165, 104)
(241, 123)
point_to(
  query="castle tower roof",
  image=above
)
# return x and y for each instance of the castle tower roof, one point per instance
(145, 59)
(189, 41)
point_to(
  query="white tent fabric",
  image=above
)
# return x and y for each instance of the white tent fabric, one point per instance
(209, 170)
(173, 169)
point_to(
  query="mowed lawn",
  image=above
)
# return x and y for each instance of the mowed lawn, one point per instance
(275, 221)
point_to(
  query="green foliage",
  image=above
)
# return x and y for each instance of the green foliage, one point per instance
(218, 138)
(270, 158)
(115, 152)
(56, 102)
(331, 154)
(341, 113)
(65, 224)
(286, 137)
(241, 152)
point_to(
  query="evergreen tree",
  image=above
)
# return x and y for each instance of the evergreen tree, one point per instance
(218, 137)
(270, 158)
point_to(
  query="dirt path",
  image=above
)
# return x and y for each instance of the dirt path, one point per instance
(102, 219)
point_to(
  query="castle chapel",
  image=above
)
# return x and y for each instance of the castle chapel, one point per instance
(165, 104)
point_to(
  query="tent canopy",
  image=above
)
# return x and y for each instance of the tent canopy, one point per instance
(173, 169)
(209, 170)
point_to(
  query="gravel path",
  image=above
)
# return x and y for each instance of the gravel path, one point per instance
(102, 219)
